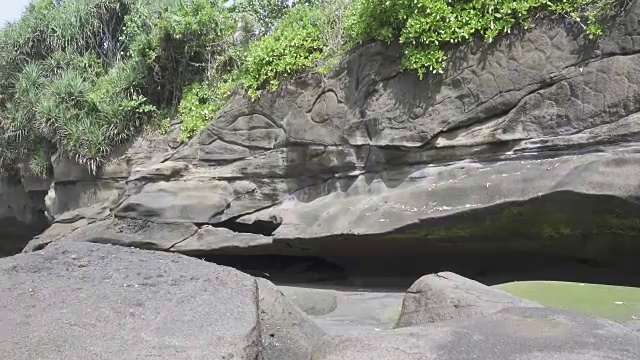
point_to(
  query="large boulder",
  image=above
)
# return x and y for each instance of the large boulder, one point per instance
(445, 296)
(89, 301)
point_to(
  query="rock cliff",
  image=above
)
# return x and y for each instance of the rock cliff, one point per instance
(525, 147)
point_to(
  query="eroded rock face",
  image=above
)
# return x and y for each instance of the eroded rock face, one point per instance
(526, 146)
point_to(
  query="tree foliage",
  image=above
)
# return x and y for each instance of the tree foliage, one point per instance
(67, 83)
(264, 13)
(296, 44)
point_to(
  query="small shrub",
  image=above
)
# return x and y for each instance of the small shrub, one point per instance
(425, 27)
(200, 103)
(296, 44)
(196, 109)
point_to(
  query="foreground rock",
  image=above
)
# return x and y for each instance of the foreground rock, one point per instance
(446, 296)
(85, 301)
(77, 300)
(511, 334)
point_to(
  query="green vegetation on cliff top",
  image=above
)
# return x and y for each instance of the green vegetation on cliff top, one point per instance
(83, 76)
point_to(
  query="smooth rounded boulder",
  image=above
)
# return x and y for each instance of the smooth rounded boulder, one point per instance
(446, 296)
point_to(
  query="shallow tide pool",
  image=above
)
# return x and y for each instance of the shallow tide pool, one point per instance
(617, 303)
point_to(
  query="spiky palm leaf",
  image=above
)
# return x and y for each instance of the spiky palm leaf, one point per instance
(40, 161)
(18, 123)
(47, 115)
(69, 87)
(29, 84)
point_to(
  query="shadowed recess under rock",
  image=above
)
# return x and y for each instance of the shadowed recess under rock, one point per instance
(257, 227)
(562, 236)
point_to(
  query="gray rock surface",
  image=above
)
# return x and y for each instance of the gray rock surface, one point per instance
(513, 333)
(347, 307)
(312, 301)
(446, 296)
(286, 333)
(209, 238)
(76, 300)
(86, 301)
(633, 325)
(524, 147)
(117, 231)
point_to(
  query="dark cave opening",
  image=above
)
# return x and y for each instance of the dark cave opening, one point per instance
(258, 227)
(398, 272)
(283, 269)
(14, 235)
